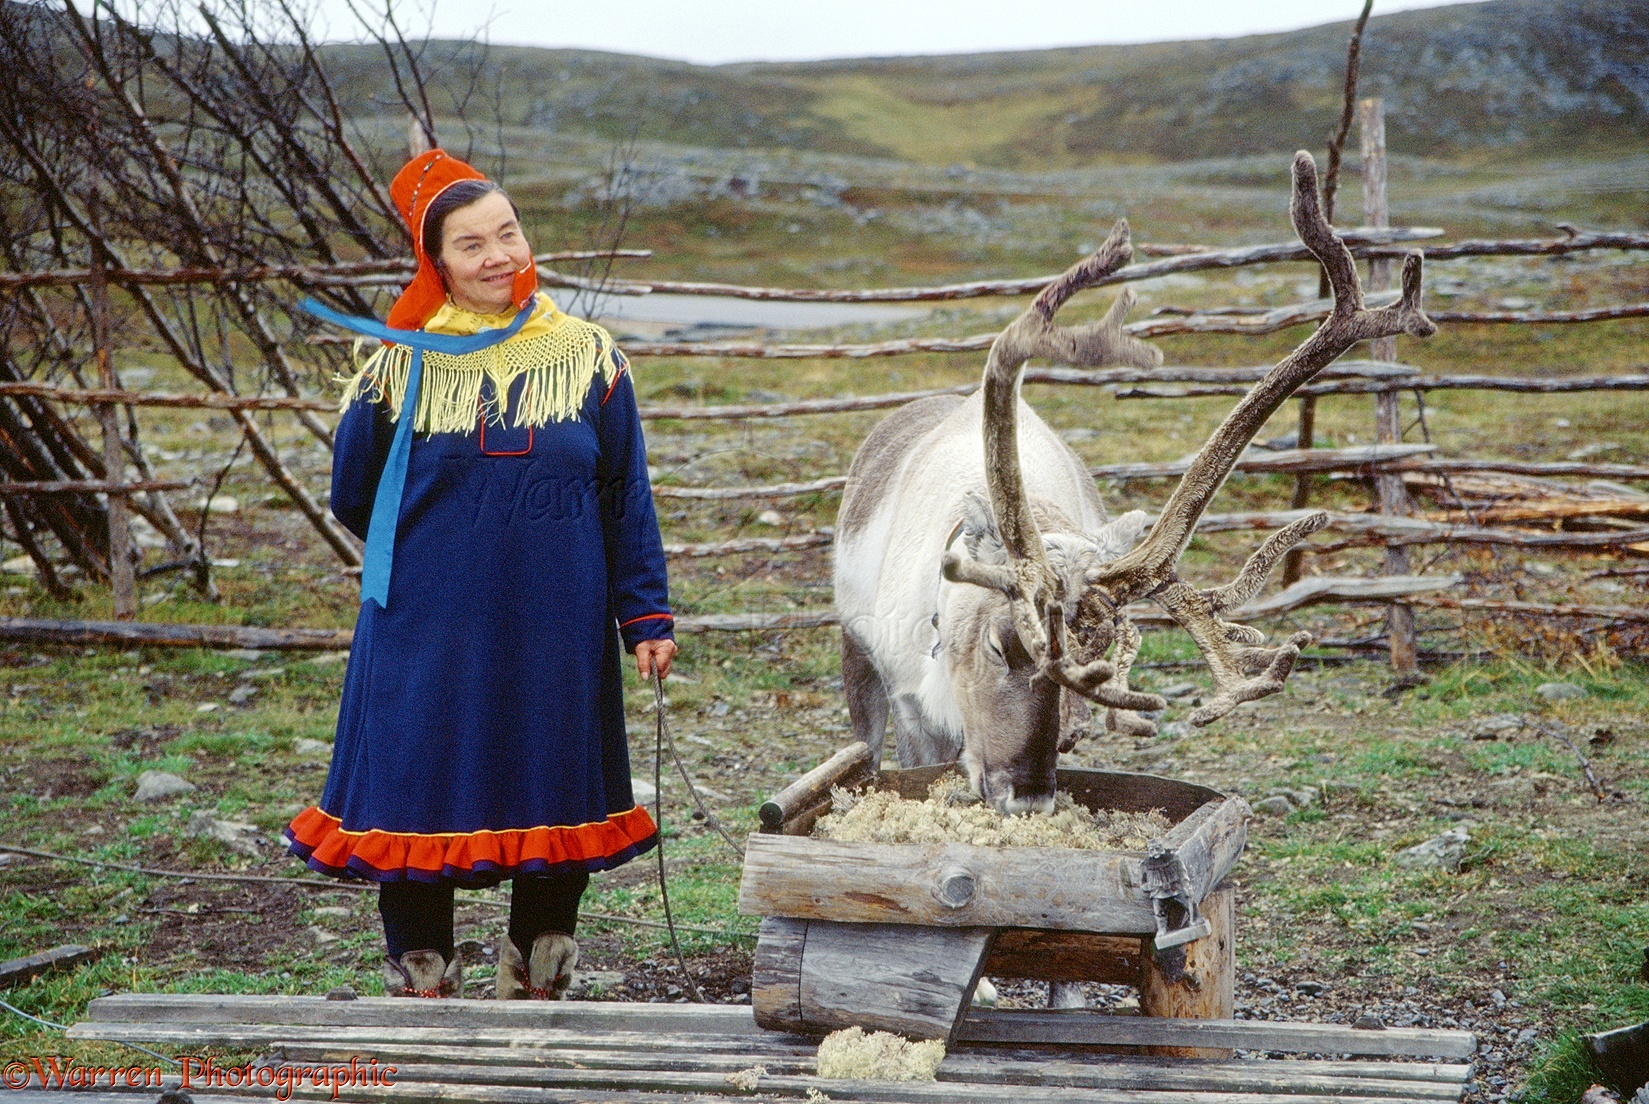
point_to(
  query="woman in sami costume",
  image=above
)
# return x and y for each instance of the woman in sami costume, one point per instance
(491, 456)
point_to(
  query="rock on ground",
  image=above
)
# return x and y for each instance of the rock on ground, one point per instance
(237, 835)
(1442, 852)
(153, 785)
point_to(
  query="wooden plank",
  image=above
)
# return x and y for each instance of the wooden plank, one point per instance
(1014, 887)
(913, 981)
(1131, 792)
(1123, 791)
(19, 970)
(1341, 1070)
(1414, 1080)
(1195, 980)
(255, 1035)
(1621, 1056)
(810, 788)
(1255, 461)
(117, 1096)
(510, 1084)
(1082, 1028)
(209, 1008)
(47, 631)
(800, 1063)
(802, 823)
(1212, 848)
(776, 977)
(1064, 956)
(1234, 1077)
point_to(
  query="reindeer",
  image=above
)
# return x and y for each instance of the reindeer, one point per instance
(980, 590)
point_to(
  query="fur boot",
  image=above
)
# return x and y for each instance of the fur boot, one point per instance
(423, 974)
(543, 975)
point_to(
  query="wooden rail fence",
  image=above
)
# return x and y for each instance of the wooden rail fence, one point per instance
(1387, 462)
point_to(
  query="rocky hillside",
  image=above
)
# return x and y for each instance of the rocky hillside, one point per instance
(1545, 76)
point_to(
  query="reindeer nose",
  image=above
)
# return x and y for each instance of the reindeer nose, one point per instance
(1013, 804)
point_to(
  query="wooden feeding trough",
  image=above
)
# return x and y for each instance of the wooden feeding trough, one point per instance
(896, 936)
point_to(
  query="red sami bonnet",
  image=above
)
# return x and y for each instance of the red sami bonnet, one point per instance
(413, 190)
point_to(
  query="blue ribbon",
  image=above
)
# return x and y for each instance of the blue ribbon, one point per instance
(379, 556)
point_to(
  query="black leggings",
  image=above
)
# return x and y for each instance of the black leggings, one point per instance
(418, 915)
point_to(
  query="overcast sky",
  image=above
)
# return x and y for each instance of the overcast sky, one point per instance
(712, 31)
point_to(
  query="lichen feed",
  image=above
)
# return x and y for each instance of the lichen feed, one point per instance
(951, 814)
(857, 1055)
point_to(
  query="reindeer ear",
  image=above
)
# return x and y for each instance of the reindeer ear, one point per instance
(1118, 536)
(979, 535)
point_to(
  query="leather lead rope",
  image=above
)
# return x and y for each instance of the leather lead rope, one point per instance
(658, 820)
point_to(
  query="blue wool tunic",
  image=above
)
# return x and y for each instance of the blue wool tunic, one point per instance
(481, 731)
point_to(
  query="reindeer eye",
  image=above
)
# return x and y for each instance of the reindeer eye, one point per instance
(993, 644)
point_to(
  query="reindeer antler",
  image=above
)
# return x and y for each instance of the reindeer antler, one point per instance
(1033, 589)
(1242, 670)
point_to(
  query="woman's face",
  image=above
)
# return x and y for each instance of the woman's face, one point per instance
(482, 248)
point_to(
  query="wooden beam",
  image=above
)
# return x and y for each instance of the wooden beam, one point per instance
(21, 970)
(347, 273)
(806, 791)
(741, 545)
(1065, 956)
(1081, 1028)
(817, 879)
(1365, 241)
(1259, 462)
(1637, 614)
(463, 1085)
(134, 633)
(211, 1008)
(1541, 385)
(93, 486)
(1407, 1080)
(1374, 528)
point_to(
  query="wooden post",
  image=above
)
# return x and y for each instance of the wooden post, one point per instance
(1196, 980)
(1388, 420)
(122, 581)
(1294, 562)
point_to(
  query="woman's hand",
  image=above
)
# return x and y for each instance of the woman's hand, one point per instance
(655, 653)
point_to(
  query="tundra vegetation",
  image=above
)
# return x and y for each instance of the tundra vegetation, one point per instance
(1538, 935)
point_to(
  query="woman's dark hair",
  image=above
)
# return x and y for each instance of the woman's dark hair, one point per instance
(461, 194)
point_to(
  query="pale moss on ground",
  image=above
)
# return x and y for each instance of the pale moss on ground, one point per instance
(950, 814)
(857, 1055)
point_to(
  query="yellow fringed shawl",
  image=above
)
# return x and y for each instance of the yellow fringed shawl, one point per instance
(558, 354)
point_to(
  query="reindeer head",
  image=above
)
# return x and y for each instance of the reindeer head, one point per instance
(1006, 701)
(1064, 605)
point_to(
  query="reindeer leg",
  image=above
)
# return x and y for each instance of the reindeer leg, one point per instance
(867, 704)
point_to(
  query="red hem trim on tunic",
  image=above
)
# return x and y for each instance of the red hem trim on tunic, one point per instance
(647, 617)
(322, 840)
